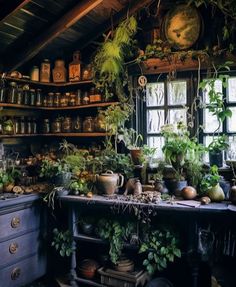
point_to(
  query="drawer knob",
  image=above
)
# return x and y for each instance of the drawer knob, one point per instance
(13, 247)
(15, 274)
(15, 222)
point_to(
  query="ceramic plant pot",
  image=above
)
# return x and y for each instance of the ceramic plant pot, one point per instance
(175, 186)
(216, 193)
(216, 159)
(136, 155)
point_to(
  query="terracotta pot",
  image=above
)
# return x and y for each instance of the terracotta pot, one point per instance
(136, 156)
(109, 182)
(88, 268)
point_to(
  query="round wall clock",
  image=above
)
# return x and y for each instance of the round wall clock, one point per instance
(182, 26)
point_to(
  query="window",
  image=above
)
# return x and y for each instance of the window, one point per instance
(169, 101)
(166, 102)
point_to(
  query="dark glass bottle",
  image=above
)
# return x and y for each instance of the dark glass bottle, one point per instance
(12, 93)
(19, 97)
(17, 125)
(46, 126)
(32, 97)
(3, 92)
(26, 95)
(39, 98)
(22, 125)
(34, 126)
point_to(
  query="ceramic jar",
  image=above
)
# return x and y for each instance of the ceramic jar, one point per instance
(45, 71)
(75, 67)
(88, 125)
(59, 72)
(34, 74)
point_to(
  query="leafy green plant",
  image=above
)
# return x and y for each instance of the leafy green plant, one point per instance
(79, 186)
(209, 180)
(218, 144)
(108, 64)
(50, 168)
(62, 242)
(132, 138)
(161, 247)
(116, 233)
(4, 177)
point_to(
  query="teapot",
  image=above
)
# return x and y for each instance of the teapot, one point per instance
(108, 182)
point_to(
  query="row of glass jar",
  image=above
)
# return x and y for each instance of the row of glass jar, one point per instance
(67, 125)
(18, 125)
(26, 96)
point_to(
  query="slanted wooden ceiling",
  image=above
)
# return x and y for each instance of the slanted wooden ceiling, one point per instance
(40, 27)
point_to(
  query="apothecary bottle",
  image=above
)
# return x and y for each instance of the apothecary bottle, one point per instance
(50, 99)
(17, 125)
(3, 92)
(39, 98)
(46, 126)
(85, 100)
(56, 126)
(26, 95)
(88, 125)
(72, 100)
(77, 124)
(78, 98)
(22, 125)
(64, 100)
(19, 97)
(56, 100)
(66, 125)
(59, 72)
(28, 126)
(34, 126)
(45, 71)
(100, 123)
(34, 74)
(12, 93)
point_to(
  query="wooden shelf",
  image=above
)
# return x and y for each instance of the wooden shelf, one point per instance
(25, 107)
(67, 84)
(89, 282)
(56, 135)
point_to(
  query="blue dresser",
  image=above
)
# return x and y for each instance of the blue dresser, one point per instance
(22, 240)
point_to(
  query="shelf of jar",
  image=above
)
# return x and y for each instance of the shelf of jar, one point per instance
(35, 83)
(94, 105)
(95, 134)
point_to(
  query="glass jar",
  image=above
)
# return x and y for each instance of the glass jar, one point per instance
(28, 126)
(87, 73)
(34, 74)
(88, 125)
(8, 126)
(39, 98)
(46, 126)
(34, 126)
(3, 92)
(45, 71)
(94, 96)
(72, 100)
(100, 123)
(64, 100)
(17, 125)
(66, 125)
(56, 126)
(32, 97)
(12, 93)
(77, 125)
(85, 100)
(19, 97)
(22, 125)
(50, 99)
(45, 100)
(26, 95)
(56, 100)
(78, 98)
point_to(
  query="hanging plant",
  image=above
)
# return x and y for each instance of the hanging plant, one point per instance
(109, 61)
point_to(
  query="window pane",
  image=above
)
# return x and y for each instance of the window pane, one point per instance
(231, 152)
(210, 122)
(218, 88)
(155, 119)
(206, 141)
(155, 94)
(177, 93)
(157, 142)
(177, 115)
(231, 126)
(232, 90)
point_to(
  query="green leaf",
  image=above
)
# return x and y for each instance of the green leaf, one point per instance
(145, 262)
(177, 252)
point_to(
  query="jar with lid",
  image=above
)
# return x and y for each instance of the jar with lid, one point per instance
(12, 93)
(85, 99)
(78, 98)
(3, 91)
(56, 100)
(32, 97)
(59, 72)
(94, 96)
(77, 125)
(88, 125)
(39, 98)
(72, 100)
(87, 73)
(34, 126)
(64, 99)
(28, 126)
(34, 74)
(46, 126)
(17, 125)
(26, 95)
(66, 125)
(75, 67)
(19, 97)
(56, 126)
(45, 70)
(50, 99)
(8, 126)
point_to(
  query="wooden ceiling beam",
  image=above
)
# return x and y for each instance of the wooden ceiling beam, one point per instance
(10, 7)
(134, 6)
(66, 21)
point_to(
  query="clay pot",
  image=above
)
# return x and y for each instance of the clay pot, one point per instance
(216, 193)
(232, 196)
(88, 268)
(108, 182)
(136, 155)
(188, 192)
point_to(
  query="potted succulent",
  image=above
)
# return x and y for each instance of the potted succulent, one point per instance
(216, 149)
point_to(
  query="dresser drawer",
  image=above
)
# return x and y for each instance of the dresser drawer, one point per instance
(21, 246)
(22, 272)
(19, 221)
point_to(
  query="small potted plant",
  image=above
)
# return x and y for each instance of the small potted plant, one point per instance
(216, 149)
(210, 185)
